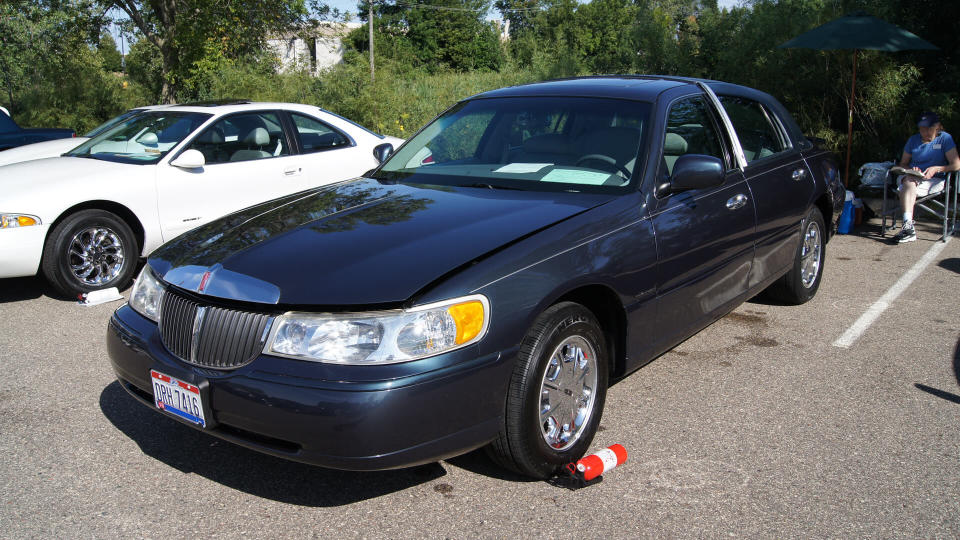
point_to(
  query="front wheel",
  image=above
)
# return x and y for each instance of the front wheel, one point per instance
(800, 284)
(556, 393)
(88, 251)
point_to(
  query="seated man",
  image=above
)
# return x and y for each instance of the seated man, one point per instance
(931, 152)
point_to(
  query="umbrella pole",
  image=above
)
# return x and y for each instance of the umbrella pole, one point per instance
(853, 88)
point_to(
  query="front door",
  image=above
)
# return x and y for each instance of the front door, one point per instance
(248, 161)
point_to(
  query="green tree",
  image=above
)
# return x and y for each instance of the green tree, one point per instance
(606, 41)
(38, 35)
(187, 32)
(112, 60)
(435, 34)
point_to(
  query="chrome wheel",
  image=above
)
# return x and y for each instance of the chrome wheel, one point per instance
(810, 254)
(95, 256)
(568, 392)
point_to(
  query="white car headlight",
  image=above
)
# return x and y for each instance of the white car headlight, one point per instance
(9, 221)
(146, 294)
(381, 337)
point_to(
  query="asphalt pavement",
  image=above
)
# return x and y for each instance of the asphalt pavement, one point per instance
(758, 426)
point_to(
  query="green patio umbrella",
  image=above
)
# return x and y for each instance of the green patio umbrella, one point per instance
(857, 31)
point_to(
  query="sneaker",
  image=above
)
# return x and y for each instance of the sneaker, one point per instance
(906, 234)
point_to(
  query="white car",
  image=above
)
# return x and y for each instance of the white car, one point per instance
(86, 217)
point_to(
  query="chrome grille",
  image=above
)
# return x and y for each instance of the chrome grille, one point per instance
(211, 336)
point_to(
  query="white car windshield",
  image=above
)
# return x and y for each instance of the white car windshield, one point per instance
(528, 143)
(142, 138)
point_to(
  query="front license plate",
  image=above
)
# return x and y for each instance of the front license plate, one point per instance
(177, 397)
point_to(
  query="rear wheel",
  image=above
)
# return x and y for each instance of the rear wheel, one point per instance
(801, 283)
(89, 250)
(556, 394)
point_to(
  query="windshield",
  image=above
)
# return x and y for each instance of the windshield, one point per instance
(141, 138)
(111, 122)
(530, 143)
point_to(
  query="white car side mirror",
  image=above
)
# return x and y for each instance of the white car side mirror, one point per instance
(189, 159)
(148, 138)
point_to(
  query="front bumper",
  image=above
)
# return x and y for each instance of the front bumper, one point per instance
(20, 250)
(274, 405)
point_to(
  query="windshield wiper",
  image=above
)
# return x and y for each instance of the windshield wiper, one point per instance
(490, 186)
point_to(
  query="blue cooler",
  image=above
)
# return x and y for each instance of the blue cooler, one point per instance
(846, 218)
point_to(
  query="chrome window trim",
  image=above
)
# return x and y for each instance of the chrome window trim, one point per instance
(727, 124)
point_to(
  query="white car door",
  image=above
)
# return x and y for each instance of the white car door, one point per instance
(248, 161)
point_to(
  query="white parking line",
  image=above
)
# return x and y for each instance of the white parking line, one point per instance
(853, 333)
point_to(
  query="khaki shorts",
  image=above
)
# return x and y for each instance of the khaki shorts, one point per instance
(924, 187)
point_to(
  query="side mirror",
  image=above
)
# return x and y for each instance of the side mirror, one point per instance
(148, 138)
(189, 159)
(694, 171)
(383, 151)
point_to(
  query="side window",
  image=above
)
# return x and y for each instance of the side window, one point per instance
(758, 136)
(242, 137)
(690, 130)
(315, 136)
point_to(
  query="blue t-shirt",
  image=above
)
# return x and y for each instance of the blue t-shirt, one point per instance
(924, 155)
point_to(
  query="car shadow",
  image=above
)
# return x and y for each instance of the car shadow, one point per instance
(478, 462)
(194, 452)
(25, 288)
(765, 298)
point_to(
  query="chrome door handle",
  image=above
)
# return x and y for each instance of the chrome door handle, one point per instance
(799, 175)
(290, 171)
(737, 202)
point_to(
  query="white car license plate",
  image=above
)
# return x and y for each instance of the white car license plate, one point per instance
(177, 397)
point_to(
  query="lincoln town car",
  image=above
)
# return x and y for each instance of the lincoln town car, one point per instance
(484, 285)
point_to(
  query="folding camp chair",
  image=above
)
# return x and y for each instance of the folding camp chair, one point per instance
(931, 203)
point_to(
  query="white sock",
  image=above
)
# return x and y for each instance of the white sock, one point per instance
(907, 217)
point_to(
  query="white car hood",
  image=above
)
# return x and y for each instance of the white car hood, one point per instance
(46, 187)
(40, 150)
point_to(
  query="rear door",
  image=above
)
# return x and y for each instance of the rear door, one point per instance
(704, 237)
(779, 179)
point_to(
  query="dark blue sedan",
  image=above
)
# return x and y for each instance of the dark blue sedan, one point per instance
(484, 285)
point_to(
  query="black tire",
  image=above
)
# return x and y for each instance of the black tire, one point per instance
(801, 283)
(111, 253)
(522, 443)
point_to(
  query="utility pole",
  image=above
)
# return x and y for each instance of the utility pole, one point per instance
(370, 26)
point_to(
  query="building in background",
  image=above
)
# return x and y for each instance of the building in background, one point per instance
(315, 49)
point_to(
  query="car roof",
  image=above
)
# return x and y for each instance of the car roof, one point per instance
(633, 87)
(229, 106)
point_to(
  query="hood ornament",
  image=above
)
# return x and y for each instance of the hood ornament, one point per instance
(203, 281)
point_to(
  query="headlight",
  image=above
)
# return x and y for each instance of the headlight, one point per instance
(381, 337)
(145, 297)
(9, 221)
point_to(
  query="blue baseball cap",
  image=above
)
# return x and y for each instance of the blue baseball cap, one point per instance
(928, 119)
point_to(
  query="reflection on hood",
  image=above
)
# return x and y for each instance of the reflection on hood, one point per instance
(361, 242)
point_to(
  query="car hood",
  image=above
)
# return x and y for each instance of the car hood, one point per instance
(354, 243)
(40, 150)
(50, 183)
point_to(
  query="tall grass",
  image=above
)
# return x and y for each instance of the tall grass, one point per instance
(399, 102)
